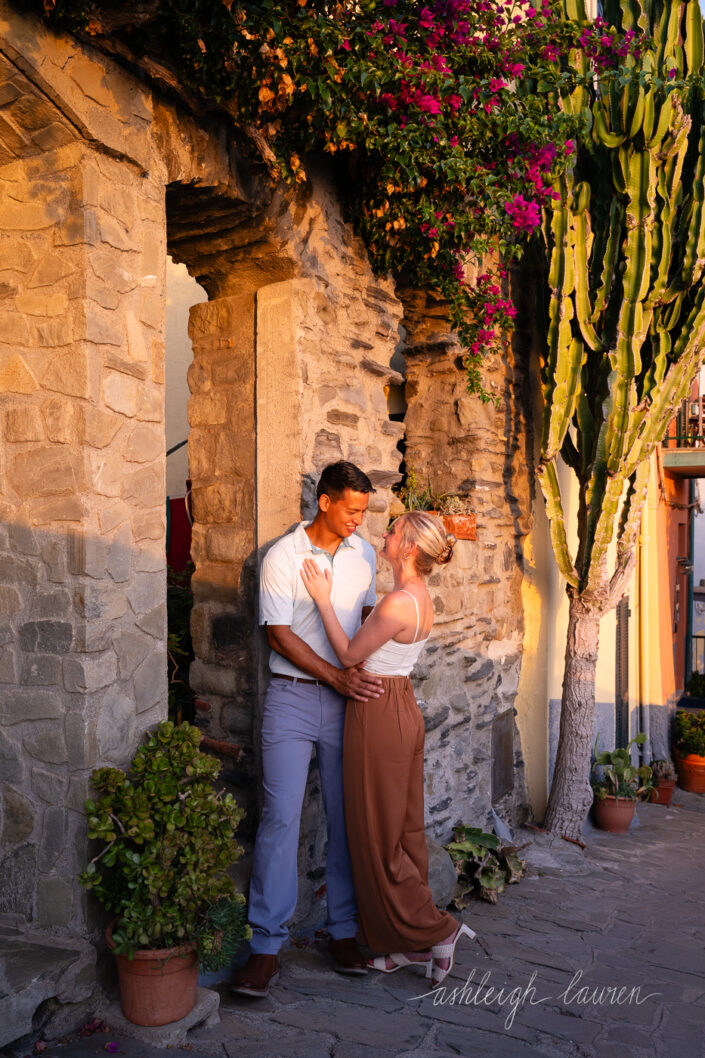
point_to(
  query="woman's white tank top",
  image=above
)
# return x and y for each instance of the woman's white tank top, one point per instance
(397, 659)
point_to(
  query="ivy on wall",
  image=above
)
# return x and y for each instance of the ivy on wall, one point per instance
(437, 116)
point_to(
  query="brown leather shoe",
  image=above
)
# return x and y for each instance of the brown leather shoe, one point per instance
(346, 956)
(256, 976)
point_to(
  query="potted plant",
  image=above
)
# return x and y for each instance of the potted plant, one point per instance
(414, 497)
(456, 511)
(619, 786)
(458, 516)
(167, 839)
(664, 776)
(689, 749)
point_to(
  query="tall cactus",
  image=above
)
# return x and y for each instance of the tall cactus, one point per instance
(625, 330)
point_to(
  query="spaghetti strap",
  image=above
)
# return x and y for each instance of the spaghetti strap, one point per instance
(418, 615)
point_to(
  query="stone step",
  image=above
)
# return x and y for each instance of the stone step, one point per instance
(36, 967)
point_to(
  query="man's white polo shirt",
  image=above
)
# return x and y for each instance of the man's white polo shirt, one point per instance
(284, 600)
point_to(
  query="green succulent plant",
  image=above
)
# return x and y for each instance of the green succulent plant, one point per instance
(167, 840)
(484, 866)
(619, 777)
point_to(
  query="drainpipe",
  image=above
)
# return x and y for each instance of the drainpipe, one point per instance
(640, 612)
(691, 582)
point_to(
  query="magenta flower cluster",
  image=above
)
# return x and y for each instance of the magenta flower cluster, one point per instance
(606, 48)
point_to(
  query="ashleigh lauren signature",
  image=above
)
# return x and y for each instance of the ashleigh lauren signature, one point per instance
(482, 993)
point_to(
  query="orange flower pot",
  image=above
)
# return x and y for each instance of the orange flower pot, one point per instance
(157, 986)
(462, 526)
(691, 772)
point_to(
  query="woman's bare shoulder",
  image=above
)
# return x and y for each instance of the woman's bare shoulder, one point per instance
(397, 602)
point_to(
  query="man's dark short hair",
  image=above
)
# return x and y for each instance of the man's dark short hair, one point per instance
(337, 477)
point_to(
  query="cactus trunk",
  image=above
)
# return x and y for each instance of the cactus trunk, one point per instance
(571, 794)
(625, 325)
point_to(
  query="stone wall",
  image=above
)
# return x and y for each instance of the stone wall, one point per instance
(467, 677)
(82, 564)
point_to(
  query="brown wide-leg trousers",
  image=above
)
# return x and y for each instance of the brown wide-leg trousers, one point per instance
(384, 815)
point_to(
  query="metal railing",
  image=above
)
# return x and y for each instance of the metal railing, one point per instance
(687, 430)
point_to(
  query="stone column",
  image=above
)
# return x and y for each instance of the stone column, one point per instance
(82, 614)
(222, 442)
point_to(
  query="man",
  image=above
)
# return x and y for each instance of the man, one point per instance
(305, 706)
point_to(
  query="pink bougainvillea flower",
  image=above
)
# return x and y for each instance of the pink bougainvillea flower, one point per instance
(112, 1047)
(525, 214)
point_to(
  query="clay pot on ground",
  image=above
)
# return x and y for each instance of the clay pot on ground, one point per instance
(614, 814)
(691, 772)
(662, 793)
(156, 986)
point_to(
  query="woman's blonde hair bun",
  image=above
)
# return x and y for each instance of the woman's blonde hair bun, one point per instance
(427, 532)
(447, 553)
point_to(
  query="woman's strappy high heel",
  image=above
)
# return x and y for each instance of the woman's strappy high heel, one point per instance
(446, 951)
(399, 960)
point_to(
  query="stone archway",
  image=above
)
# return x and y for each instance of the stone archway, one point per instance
(291, 356)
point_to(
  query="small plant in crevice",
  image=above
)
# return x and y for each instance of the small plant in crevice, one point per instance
(179, 602)
(484, 866)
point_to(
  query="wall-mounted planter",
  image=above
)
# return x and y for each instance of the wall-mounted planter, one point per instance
(462, 526)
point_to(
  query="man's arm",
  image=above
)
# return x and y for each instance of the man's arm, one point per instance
(351, 683)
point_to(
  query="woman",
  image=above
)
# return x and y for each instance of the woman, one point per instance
(383, 756)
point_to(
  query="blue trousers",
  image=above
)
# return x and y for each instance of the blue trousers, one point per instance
(296, 717)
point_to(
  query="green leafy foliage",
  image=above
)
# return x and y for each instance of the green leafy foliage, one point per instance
(414, 496)
(167, 839)
(696, 685)
(618, 777)
(689, 732)
(440, 157)
(484, 866)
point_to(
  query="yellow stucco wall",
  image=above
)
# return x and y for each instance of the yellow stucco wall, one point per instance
(651, 667)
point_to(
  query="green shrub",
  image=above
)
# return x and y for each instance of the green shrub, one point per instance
(167, 841)
(689, 732)
(696, 685)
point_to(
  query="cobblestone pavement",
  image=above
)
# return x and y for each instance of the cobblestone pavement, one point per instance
(597, 953)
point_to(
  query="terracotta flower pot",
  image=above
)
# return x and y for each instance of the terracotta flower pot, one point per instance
(691, 772)
(157, 986)
(662, 793)
(614, 815)
(462, 526)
